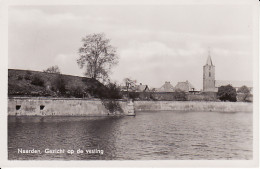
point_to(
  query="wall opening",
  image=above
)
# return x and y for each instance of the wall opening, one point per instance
(42, 107)
(18, 107)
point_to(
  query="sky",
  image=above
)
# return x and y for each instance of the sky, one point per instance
(155, 43)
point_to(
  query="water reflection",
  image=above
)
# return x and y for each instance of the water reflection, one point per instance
(62, 133)
(149, 135)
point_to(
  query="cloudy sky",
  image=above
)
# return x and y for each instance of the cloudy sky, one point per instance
(155, 43)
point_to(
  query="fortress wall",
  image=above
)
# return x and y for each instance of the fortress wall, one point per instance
(59, 107)
(193, 106)
(80, 107)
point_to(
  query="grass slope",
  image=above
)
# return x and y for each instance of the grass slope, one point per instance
(20, 83)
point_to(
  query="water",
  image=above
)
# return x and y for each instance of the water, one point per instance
(148, 136)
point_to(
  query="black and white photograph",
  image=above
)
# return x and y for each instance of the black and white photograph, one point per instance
(136, 81)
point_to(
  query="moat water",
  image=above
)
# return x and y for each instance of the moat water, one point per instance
(147, 136)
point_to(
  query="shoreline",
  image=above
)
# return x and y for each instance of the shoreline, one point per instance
(31, 106)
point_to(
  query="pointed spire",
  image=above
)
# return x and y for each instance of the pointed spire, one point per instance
(209, 61)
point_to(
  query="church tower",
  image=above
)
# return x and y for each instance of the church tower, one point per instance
(209, 76)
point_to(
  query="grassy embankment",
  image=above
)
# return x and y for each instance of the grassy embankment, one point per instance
(41, 84)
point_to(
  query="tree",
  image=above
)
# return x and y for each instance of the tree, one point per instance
(110, 96)
(113, 91)
(227, 93)
(129, 83)
(245, 93)
(52, 69)
(97, 56)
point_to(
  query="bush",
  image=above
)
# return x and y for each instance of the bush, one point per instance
(112, 106)
(76, 91)
(112, 91)
(52, 69)
(95, 91)
(59, 85)
(37, 81)
(27, 75)
(134, 95)
(109, 95)
(227, 93)
(180, 95)
(153, 98)
(244, 93)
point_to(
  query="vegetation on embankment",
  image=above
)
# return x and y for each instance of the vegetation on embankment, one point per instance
(35, 83)
(26, 83)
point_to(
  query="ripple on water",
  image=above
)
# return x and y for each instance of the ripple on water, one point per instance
(150, 136)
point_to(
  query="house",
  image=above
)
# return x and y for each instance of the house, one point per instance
(166, 87)
(141, 88)
(184, 86)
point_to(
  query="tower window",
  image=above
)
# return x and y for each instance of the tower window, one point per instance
(209, 74)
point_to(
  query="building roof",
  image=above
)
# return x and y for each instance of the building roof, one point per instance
(142, 88)
(185, 86)
(219, 83)
(166, 87)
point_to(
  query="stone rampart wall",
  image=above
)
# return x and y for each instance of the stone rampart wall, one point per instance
(192, 106)
(81, 107)
(59, 107)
